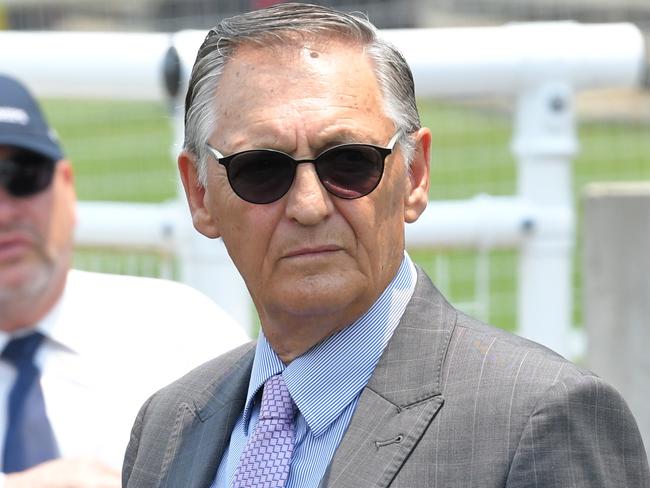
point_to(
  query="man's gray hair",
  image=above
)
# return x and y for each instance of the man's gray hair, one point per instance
(283, 23)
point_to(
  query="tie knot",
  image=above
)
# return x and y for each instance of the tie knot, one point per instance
(21, 350)
(276, 400)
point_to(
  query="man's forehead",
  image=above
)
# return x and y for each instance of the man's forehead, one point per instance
(294, 46)
(260, 68)
(313, 81)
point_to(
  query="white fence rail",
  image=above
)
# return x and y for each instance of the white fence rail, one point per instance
(541, 66)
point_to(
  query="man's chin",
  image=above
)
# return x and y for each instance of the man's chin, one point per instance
(23, 281)
(322, 294)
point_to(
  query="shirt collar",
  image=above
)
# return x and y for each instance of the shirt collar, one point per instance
(328, 377)
(58, 326)
(265, 364)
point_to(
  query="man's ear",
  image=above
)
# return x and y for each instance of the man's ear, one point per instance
(64, 182)
(416, 194)
(196, 194)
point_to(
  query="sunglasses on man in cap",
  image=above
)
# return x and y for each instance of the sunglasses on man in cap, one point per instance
(26, 173)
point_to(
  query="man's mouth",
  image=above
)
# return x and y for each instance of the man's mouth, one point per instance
(312, 251)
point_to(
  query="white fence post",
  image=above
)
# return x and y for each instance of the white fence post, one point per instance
(205, 263)
(545, 144)
(616, 293)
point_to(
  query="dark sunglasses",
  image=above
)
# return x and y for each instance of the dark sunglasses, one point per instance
(264, 175)
(26, 173)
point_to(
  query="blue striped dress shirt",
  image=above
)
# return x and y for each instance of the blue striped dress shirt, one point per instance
(325, 383)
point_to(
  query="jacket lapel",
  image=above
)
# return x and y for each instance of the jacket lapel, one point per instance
(401, 398)
(202, 430)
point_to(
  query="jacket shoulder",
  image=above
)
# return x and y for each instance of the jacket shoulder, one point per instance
(198, 386)
(197, 394)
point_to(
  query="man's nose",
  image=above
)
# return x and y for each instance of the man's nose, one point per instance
(8, 206)
(308, 202)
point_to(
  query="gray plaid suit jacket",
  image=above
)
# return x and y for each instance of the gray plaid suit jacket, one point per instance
(451, 403)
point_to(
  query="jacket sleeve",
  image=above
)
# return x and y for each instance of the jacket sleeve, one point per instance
(581, 433)
(134, 443)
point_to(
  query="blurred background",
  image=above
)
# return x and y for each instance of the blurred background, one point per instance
(182, 14)
(124, 150)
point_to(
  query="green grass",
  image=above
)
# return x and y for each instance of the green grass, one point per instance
(121, 151)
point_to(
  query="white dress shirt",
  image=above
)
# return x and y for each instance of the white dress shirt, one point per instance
(111, 341)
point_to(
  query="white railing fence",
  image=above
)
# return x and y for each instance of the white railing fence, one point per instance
(541, 66)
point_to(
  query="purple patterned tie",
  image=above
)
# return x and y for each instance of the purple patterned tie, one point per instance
(266, 459)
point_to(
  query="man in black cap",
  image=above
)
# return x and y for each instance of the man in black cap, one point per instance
(78, 351)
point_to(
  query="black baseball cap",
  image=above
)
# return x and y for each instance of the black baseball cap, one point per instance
(22, 123)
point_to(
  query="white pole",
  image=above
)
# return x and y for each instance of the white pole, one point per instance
(205, 263)
(483, 221)
(545, 143)
(121, 225)
(504, 60)
(115, 65)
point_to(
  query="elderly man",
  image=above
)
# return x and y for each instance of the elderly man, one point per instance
(304, 153)
(79, 352)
